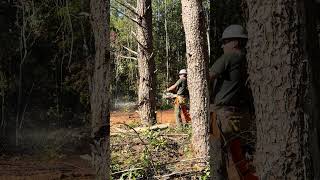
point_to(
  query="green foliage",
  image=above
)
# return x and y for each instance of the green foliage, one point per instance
(125, 85)
(151, 153)
(133, 175)
(49, 42)
(155, 140)
(176, 50)
(206, 174)
(134, 124)
(126, 70)
(166, 106)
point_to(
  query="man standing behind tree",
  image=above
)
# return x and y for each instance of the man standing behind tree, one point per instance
(231, 102)
(180, 103)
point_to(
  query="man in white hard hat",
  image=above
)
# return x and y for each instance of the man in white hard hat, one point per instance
(181, 99)
(230, 102)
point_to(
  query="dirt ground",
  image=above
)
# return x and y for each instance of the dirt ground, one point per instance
(163, 117)
(129, 117)
(27, 168)
(69, 168)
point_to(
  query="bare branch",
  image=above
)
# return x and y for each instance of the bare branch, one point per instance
(179, 174)
(135, 37)
(134, 34)
(72, 36)
(130, 50)
(86, 14)
(128, 6)
(128, 57)
(132, 19)
(151, 56)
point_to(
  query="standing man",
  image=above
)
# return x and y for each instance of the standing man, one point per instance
(180, 103)
(231, 104)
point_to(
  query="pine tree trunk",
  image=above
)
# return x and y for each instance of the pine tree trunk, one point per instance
(147, 87)
(99, 88)
(193, 18)
(281, 79)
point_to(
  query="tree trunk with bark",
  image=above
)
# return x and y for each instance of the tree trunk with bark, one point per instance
(147, 86)
(193, 18)
(99, 88)
(282, 59)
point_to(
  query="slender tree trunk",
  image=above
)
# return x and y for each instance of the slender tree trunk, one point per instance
(23, 55)
(167, 44)
(100, 89)
(167, 40)
(146, 64)
(3, 121)
(282, 77)
(193, 18)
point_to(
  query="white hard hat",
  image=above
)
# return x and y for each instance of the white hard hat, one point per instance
(183, 71)
(234, 31)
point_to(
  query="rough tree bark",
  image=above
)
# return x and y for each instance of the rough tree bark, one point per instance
(147, 87)
(282, 75)
(193, 18)
(99, 87)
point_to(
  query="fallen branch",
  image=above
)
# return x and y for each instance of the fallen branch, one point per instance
(127, 170)
(178, 174)
(129, 143)
(154, 127)
(171, 138)
(175, 135)
(168, 175)
(184, 160)
(139, 129)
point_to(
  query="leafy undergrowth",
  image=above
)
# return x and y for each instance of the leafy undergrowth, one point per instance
(161, 153)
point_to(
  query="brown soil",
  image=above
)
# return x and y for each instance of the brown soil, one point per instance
(69, 168)
(163, 117)
(27, 168)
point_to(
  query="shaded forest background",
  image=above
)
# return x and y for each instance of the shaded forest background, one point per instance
(47, 49)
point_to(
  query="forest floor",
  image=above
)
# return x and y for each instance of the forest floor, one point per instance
(34, 168)
(161, 152)
(166, 116)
